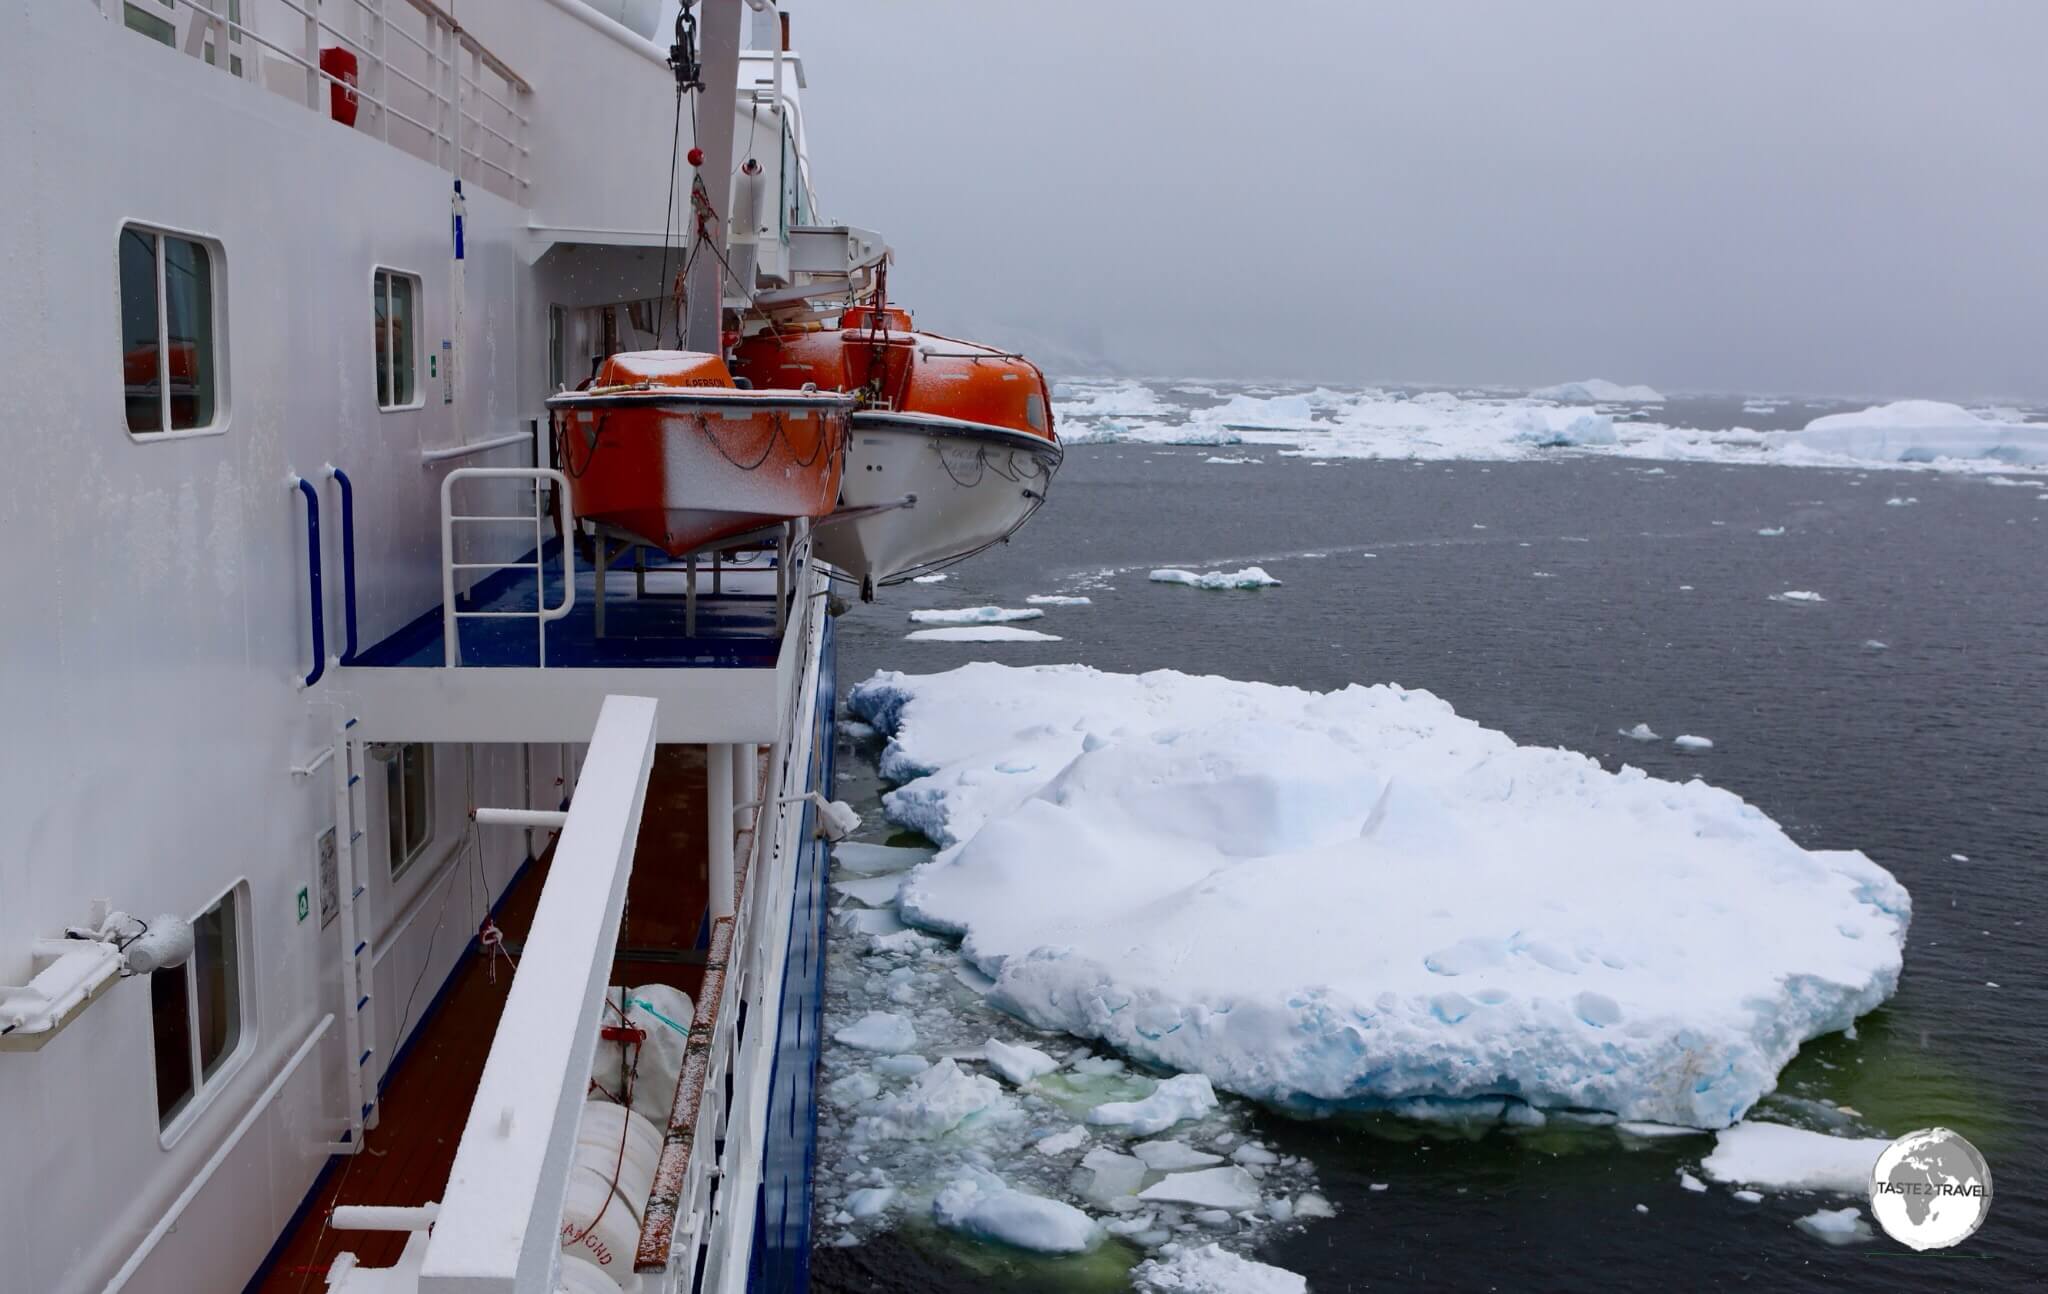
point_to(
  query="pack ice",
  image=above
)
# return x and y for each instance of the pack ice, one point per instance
(1360, 899)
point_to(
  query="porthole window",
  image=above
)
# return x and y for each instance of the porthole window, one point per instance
(397, 302)
(170, 370)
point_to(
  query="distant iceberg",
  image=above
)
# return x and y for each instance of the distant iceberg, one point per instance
(973, 615)
(1598, 390)
(1251, 577)
(980, 634)
(1559, 427)
(1923, 431)
(1361, 899)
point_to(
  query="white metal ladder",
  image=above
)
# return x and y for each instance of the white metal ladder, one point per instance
(358, 952)
(542, 613)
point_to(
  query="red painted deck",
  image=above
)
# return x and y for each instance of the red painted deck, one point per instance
(426, 1102)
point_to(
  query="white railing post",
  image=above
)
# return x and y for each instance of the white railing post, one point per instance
(499, 1225)
(451, 616)
(313, 58)
(718, 826)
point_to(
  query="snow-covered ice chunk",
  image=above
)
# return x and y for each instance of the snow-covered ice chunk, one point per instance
(879, 1031)
(1771, 531)
(1798, 595)
(1059, 600)
(853, 1088)
(1059, 1143)
(1872, 644)
(1251, 1153)
(1641, 732)
(1251, 577)
(1173, 1156)
(1689, 1182)
(903, 1065)
(1598, 390)
(928, 579)
(1308, 1204)
(1017, 1063)
(973, 615)
(1836, 1226)
(981, 634)
(1656, 1131)
(1896, 502)
(1687, 741)
(942, 1099)
(1783, 1158)
(866, 1203)
(982, 1205)
(1217, 458)
(1923, 431)
(872, 921)
(1184, 1096)
(1227, 1187)
(1359, 898)
(1213, 1269)
(1559, 428)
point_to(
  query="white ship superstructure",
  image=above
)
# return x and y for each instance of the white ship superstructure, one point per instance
(291, 655)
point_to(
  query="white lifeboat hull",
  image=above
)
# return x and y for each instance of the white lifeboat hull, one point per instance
(974, 485)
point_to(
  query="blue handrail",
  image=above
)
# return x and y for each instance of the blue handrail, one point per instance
(313, 579)
(348, 559)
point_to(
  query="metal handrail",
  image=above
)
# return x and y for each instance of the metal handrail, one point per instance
(451, 618)
(348, 558)
(305, 486)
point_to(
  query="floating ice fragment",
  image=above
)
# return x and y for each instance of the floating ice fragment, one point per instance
(928, 579)
(1772, 531)
(1783, 1158)
(1251, 577)
(1798, 595)
(1228, 1187)
(1897, 502)
(1184, 1096)
(902, 1066)
(1689, 1182)
(1959, 858)
(1105, 1176)
(1641, 732)
(1642, 1208)
(1872, 644)
(1687, 741)
(1748, 1197)
(1308, 1204)
(1252, 1153)
(1173, 1156)
(938, 1101)
(874, 860)
(980, 1204)
(981, 634)
(869, 1201)
(974, 615)
(1213, 1269)
(879, 1031)
(1059, 1143)
(875, 891)
(1017, 1063)
(1598, 390)
(1836, 1226)
(1377, 1186)
(1059, 600)
(853, 1088)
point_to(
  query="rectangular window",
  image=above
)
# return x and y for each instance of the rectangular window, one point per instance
(168, 370)
(408, 802)
(196, 1009)
(397, 363)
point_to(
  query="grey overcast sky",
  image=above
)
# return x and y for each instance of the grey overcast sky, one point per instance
(1832, 196)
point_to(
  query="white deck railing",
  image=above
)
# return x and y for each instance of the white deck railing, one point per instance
(421, 82)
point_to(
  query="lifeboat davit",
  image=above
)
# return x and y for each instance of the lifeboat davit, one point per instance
(964, 429)
(665, 446)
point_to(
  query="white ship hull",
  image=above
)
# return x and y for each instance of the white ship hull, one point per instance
(974, 485)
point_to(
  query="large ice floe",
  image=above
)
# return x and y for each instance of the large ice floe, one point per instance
(1360, 899)
(1595, 416)
(1600, 390)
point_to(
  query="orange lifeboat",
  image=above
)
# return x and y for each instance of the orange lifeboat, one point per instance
(665, 446)
(952, 447)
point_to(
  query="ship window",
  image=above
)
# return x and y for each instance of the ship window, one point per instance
(196, 1012)
(408, 802)
(1034, 411)
(397, 296)
(168, 368)
(136, 18)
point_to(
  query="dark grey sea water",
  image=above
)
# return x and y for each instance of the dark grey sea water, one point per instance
(1566, 617)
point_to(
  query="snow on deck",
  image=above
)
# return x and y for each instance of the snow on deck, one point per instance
(1359, 898)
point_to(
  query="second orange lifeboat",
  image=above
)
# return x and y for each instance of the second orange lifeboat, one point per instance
(962, 429)
(666, 447)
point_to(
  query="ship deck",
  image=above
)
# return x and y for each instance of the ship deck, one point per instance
(427, 1094)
